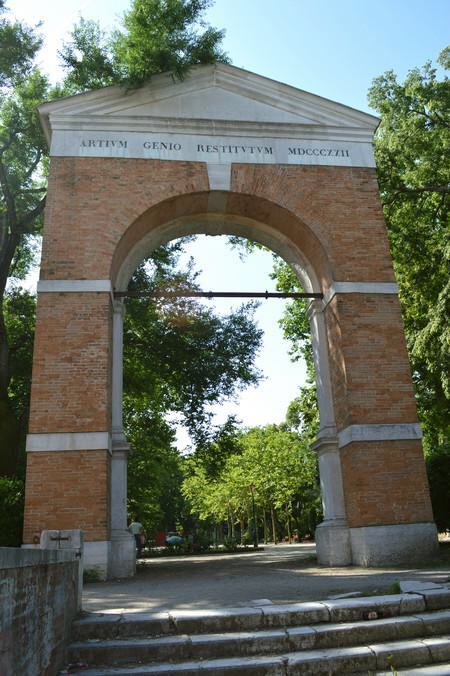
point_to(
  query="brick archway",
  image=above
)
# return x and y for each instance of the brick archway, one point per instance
(108, 207)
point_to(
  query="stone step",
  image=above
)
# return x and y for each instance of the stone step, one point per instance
(431, 670)
(351, 660)
(260, 642)
(222, 620)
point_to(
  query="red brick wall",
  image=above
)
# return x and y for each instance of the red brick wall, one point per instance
(385, 483)
(71, 365)
(67, 490)
(98, 208)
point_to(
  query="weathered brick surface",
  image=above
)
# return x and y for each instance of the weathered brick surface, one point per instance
(99, 208)
(71, 364)
(371, 376)
(92, 202)
(385, 483)
(67, 490)
(339, 205)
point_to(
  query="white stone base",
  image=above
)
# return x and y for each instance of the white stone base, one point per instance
(333, 544)
(407, 544)
(123, 555)
(96, 556)
(111, 558)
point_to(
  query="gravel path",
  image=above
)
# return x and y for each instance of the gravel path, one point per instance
(281, 574)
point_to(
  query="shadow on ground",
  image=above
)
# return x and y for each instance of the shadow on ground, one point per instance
(280, 573)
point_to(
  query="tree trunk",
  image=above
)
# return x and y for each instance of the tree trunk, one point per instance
(9, 425)
(274, 528)
(288, 524)
(265, 526)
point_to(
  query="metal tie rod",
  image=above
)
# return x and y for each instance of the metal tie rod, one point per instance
(213, 294)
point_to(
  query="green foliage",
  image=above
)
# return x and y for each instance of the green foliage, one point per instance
(274, 467)
(438, 470)
(20, 310)
(214, 452)
(91, 575)
(182, 355)
(179, 359)
(18, 47)
(412, 146)
(19, 314)
(22, 199)
(157, 36)
(11, 511)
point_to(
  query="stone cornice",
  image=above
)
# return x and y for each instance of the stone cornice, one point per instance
(196, 126)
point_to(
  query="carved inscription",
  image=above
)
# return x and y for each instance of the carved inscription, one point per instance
(234, 149)
(103, 143)
(204, 148)
(319, 152)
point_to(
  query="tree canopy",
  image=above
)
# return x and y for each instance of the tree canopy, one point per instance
(412, 148)
(180, 359)
(157, 36)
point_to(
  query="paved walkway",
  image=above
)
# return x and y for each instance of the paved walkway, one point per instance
(281, 574)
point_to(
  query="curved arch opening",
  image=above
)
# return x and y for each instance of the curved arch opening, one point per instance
(294, 242)
(253, 218)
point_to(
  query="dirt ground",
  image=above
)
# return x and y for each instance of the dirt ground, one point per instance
(279, 573)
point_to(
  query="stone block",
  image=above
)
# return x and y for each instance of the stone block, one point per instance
(436, 622)
(362, 633)
(439, 648)
(301, 638)
(437, 599)
(262, 642)
(339, 660)
(418, 586)
(145, 624)
(400, 654)
(221, 619)
(358, 609)
(216, 646)
(294, 614)
(129, 651)
(333, 545)
(401, 544)
(99, 625)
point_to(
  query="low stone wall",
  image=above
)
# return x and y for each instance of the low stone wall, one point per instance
(38, 602)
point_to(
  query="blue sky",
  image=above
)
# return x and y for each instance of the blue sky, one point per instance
(329, 47)
(333, 48)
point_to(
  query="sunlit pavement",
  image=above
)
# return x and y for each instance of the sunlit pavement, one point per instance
(278, 573)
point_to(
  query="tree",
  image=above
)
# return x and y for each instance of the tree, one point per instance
(180, 358)
(274, 468)
(411, 149)
(164, 35)
(22, 193)
(158, 36)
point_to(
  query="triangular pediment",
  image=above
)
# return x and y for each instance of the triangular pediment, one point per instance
(220, 93)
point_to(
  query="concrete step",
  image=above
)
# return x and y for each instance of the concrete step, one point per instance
(261, 642)
(433, 670)
(329, 661)
(96, 625)
(346, 636)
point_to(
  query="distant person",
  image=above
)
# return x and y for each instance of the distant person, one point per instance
(137, 529)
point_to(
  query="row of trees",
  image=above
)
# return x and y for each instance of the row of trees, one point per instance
(267, 485)
(186, 377)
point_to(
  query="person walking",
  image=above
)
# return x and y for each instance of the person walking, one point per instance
(137, 529)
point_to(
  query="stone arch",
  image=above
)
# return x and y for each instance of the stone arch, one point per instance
(146, 234)
(258, 219)
(223, 151)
